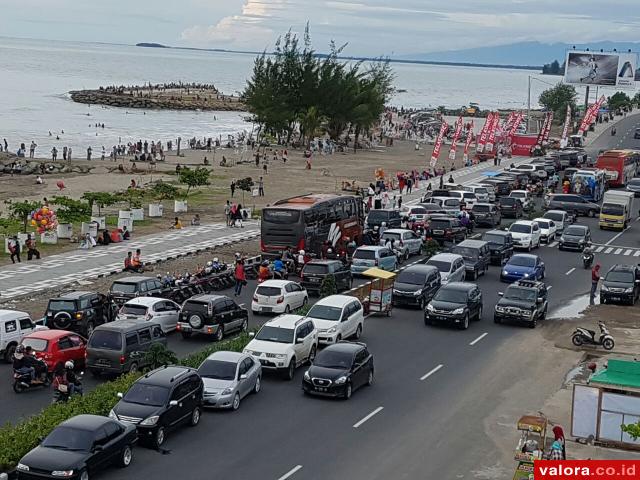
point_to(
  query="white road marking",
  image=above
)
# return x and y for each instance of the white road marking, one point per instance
(628, 252)
(375, 412)
(617, 235)
(599, 249)
(553, 244)
(479, 338)
(290, 472)
(608, 250)
(617, 252)
(431, 372)
(570, 271)
(637, 254)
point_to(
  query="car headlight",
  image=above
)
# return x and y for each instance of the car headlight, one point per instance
(23, 467)
(430, 308)
(227, 391)
(113, 415)
(499, 309)
(417, 293)
(581, 242)
(341, 380)
(604, 288)
(307, 376)
(526, 275)
(628, 290)
(332, 330)
(150, 421)
(62, 473)
(458, 311)
(281, 355)
(504, 272)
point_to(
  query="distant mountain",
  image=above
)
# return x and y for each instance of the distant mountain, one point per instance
(151, 45)
(523, 53)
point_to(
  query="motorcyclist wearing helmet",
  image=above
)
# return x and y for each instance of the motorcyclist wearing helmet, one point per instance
(75, 386)
(301, 257)
(32, 361)
(278, 266)
(21, 364)
(264, 272)
(216, 264)
(383, 228)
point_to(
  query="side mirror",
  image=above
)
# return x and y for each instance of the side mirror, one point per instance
(500, 294)
(173, 403)
(120, 395)
(299, 340)
(252, 334)
(98, 448)
(243, 376)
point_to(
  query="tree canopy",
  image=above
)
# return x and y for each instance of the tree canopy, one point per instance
(619, 100)
(295, 87)
(557, 98)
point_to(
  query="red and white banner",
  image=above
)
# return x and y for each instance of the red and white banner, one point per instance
(467, 143)
(590, 115)
(509, 121)
(543, 129)
(438, 144)
(567, 122)
(491, 135)
(456, 136)
(547, 127)
(483, 133)
(516, 123)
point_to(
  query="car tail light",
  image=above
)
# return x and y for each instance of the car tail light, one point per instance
(122, 359)
(178, 327)
(280, 299)
(255, 298)
(301, 244)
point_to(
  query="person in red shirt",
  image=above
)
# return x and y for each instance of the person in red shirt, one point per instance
(240, 276)
(595, 278)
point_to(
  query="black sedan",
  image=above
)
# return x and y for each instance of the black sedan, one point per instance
(79, 447)
(455, 303)
(339, 370)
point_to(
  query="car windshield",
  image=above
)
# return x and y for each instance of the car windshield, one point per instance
(493, 238)
(441, 265)
(520, 261)
(519, 293)
(378, 215)
(364, 254)
(451, 295)
(480, 208)
(268, 291)
(275, 334)
(145, 394)
(554, 216)
(411, 278)
(543, 224)
(118, 287)
(575, 231)
(105, 340)
(517, 194)
(325, 312)
(218, 370)
(129, 309)
(635, 182)
(520, 228)
(466, 252)
(68, 438)
(332, 359)
(61, 305)
(619, 276)
(315, 268)
(391, 236)
(508, 201)
(612, 209)
(38, 344)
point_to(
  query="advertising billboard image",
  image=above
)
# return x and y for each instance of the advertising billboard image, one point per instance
(603, 69)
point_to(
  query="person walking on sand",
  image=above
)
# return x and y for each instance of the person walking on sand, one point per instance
(261, 187)
(32, 149)
(14, 249)
(104, 152)
(54, 154)
(227, 212)
(69, 155)
(232, 187)
(64, 153)
(89, 150)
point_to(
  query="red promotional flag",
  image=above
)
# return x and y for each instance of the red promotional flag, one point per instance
(591, 115)
(509, 121)
(543, 128)
(567, 121)
(467, 143)
(483, 133)
(547, 127)
(516, 123)
(438, 144)
(456, 136)
(491, 134)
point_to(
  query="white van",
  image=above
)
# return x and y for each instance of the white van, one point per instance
(481, 192)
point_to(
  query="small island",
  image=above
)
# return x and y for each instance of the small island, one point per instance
(167, 96)
(151, 45)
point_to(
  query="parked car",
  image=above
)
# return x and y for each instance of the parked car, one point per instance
(481, 193)
(487, 214)
(450, 266)
(278, 296)
(524, 301)
(229, 377)
(447, 229)
(501, 186)
(55, 347)
(416, 285)
(510, 207)
(523, 266)
(500, 245)
(121, 346)
(633, 186)
(561, 218)
(455, 303)
(160, 401)
(143, 309)
(284, 343)
(621, 284)
(14, 325)
(433, 210)
(314, 273)
(575, 237)
(467, 199)
(525, 198)
(339, 370)
(375, 218)
(79, 447)
(80, 312)
(526, 234)
(448, 204)
(548, 229)
(407, 242)
(127, 288)
(212, 315)
(572, 203)
(367, 257)
(476, 255)
(337, 317)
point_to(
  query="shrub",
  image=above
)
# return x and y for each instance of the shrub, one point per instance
(159, 355)
(328, 286)
(431, 247)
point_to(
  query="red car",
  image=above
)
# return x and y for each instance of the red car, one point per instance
(55, 347)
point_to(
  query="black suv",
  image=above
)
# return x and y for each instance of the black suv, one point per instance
(455, 303)
(375, 218)
(621, 284)
(510, 207)
(500, 244)
(487, 214)
(314, 272)
(477, 257)
(80, 312)
(416, 285)
(214, 315)
(130, 287)
(160, 401)
(338, 370)
(523, 301)
(447, 229)
(571, 203)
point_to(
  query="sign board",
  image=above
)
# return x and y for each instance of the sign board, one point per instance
(608, 69)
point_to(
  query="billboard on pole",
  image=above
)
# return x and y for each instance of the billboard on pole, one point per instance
(602, 69)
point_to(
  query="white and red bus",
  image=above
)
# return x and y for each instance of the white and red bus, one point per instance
(307, 221)
(619, 166)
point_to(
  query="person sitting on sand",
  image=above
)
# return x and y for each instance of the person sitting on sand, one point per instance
(195, 221)
(39, 180)
(132, 184)
(177, 224)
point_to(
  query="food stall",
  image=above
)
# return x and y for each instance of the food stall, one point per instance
(380, 290)
(531, 446)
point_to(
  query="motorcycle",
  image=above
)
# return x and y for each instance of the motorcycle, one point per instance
(61, 394)
(587, 257)
(23, 381)
(584, 336)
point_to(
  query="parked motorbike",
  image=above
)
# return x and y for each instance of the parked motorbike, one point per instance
(587, 257)
(584, 336)
(23, 381)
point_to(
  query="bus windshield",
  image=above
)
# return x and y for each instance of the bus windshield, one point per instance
(273, 215)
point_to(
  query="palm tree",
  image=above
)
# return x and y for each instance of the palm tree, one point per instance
(310, 122)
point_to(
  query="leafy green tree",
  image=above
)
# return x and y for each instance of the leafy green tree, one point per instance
(328, 286)
(158, 356)
(636, 99)
(164, 191)
(619, 100)
(310, 122)
(133, 197)
(194, 178)
(70, 210)
(244, 185)
(21, 211)
(557, 98)
(100, 200)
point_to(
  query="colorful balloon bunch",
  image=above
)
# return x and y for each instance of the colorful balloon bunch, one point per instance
(44, 219)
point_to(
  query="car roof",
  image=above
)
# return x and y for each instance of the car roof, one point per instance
(125, 325)
(562, 212)
(287, 320)
(275, 283)
(73, 295)
(207, 297)
(519, 191)
(397, 230)
(336, 300)
(541, 219)
(135, 279)
(145, 301)
(12, 314)
(472, 243)
(374, 248)
(503, 233)
(419, 268)
(464, 286)
(322, 262)
(86, 422)
(164, 375)
(581, 227)
(447, 257)
(48, 334)
(226, 356)
(345, 347)
(528, 223)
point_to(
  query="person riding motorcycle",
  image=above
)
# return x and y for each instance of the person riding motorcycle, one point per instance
(21, 364)
(288, 259)
(75, 386)
(264, 272)
(383, 228)
(32, 361)
(279, 268)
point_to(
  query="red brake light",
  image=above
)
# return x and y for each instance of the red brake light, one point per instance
(122, 359)
(178, 327)
(280, 299)
(301, 244)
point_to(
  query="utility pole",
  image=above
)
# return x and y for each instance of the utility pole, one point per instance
(529, 105)
(586, 99)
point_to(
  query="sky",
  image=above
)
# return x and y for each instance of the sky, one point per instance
(370, 27)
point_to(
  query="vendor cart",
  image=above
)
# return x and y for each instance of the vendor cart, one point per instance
(531, 446)
(380, 290)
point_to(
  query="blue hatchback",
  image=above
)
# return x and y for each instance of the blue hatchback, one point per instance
(523, 265)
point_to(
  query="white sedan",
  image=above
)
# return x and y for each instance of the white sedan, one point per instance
(548, 229)
(142, 309)
(278, 296)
